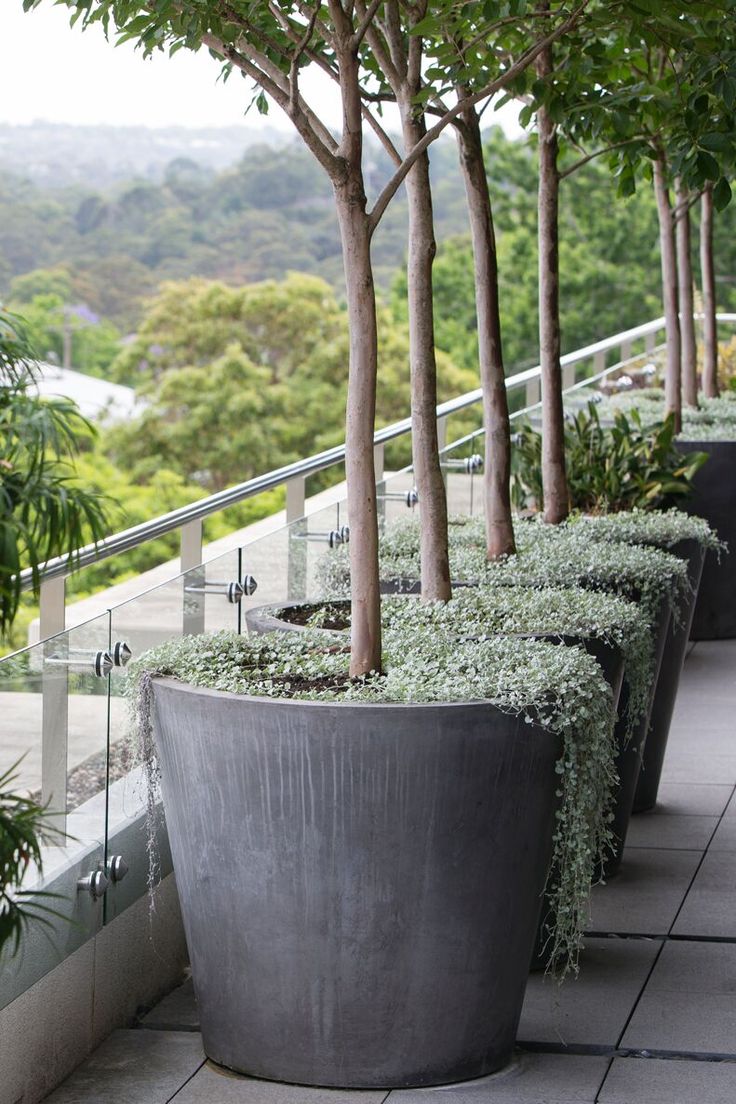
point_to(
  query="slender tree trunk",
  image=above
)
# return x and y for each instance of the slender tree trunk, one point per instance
(686, 299)
(497, 498)
(365, 653)
(710, 328)
(435, 560)
(554, 477)
(672, 382)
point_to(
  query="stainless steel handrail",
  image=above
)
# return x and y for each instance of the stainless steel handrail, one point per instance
(123, 541)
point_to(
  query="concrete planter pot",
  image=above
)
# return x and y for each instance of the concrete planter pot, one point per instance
(668, 682)
(714, 498)
(360, 884)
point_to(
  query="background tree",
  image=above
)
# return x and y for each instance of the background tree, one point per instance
(240, 380)
(42, 513)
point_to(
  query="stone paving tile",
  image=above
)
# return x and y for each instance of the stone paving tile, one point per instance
(689, 799)
(646, 893)
(531, 1079)
(686, 764)
(654, 1081)
(689, 1003)
(710, 906)
(133, 1067)
(593, 1008)
(176, 1011)
(673, 832)
(214, 1086)
(705, 722)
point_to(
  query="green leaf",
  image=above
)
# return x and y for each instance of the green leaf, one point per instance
(708, 166)
(721, 194)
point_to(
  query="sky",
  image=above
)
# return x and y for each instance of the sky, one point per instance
(54, 73)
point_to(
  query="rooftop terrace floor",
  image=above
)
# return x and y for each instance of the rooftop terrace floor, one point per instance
(651, 1018)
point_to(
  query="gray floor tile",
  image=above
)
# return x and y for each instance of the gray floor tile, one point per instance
(725, 837)
(215, 1086)
(689, 1003)
(593, 1008)
(690, 765)
(710, 906)
(133, 1067)
(653, 1081)
(177, 1010)
(695, 967)
(680, 833)
(531, 1079)
(647, 892)
(708, 720)
(689, 799)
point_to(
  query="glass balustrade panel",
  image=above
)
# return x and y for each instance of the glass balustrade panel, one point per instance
(54, 703)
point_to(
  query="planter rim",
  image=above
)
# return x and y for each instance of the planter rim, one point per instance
(464, 703)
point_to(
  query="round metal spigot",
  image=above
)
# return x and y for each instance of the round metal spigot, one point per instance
(249, 585)
(99, 662)
(121, 654)
(334, 537)
(116, 868)
(95, 883)
(234, 593)
(103, 664)
(344, 532)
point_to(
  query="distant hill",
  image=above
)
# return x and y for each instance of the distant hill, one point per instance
(266, 211)
(56, 155)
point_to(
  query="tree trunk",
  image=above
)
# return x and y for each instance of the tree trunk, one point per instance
(686, 299)
(710, 328)
(365, 651)
(435, 559)
(672, 390)
(554, 478)
(497, 473)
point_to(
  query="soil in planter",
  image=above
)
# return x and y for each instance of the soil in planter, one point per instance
(334, 616)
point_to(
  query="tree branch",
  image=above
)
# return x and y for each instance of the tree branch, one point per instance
(599, 153)
(519, 66)
(366, 16)
(301, 119)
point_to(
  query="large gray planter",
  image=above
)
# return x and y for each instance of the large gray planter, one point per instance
(713, 497)
(673, 657)
(360, 884)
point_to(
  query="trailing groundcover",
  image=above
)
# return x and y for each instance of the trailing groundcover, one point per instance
(561, 689)
(557, 556)
(660, 528)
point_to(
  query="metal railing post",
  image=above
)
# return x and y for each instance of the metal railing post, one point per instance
(295, 498)
(599, 363)
(296, 578)
(568, 376)
(625, 350)
(190, 560)
(54, 701)
(441, 432)
(379, 456)
(650, 342)
(533, 392)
